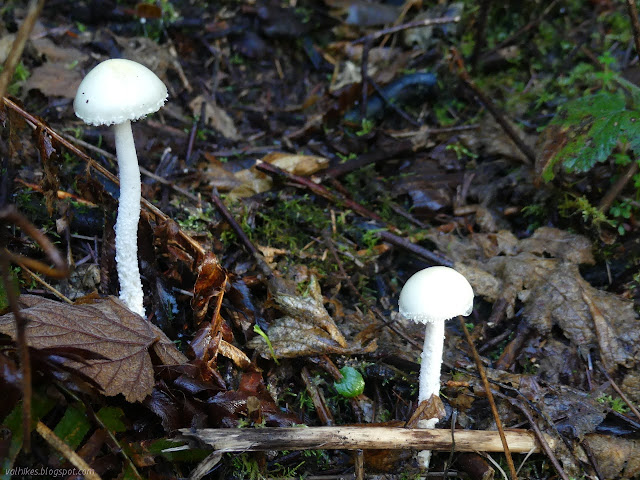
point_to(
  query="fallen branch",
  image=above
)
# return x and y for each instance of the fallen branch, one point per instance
(367, 438)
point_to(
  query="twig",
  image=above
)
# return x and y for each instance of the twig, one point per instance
(46, 285)
(35, 6)
(413, 248)
(192, 138)
(514, 36)
(635, 24)
(615, 386)
(365, 78)
(492, 403)
(592, 459)
(263, 266)
(359, 464)
(11, 215)
(374, 156)
(323, 192)
(23, 350)
(367, 438)
(542, 438)
(324, 414)
(66, 451)
(617, 187)
(35, 122)
(391, 105)
(481, 24)
(406, 26)
(456, 61)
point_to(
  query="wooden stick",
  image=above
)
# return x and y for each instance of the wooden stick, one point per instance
(367, 438)
(36, 122)
(10, 64)
(492, 403)
(67, 452)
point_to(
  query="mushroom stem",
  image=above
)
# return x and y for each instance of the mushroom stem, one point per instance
(430, 365)
(431, 360)
(128, 217)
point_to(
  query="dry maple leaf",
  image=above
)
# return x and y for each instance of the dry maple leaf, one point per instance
(106, 328)
(551, 289)
(310, 309)
(308, 329)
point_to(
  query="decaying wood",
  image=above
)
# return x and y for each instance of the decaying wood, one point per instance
(367, 438)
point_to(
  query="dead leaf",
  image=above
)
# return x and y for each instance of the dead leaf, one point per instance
(291, 338)
(55, 80)
(251, 181)
(616, 457)
(369, 14)
(304, 165)
(552, 290)
(51, 166)
(308, 329)
(270, 253)
(60, 74)
(209, 284)
(310, 309)
(491, 137)
(215, 116)
(559, 244)
(226, 407)
(587, 316)
(233, 353)
(106, 328)
(575, 413)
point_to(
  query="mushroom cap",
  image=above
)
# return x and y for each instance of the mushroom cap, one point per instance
(118, 90)
(435, 294)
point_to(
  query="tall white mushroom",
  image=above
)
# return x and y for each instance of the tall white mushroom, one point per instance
(117, 92)
(432, 296)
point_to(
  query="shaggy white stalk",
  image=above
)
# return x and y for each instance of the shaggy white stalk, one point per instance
(430, 365)
(128, 217)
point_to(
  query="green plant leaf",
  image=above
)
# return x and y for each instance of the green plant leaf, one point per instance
(594, 125)
(112, 417)
(40, 406)
(352, 383)
(73, 426)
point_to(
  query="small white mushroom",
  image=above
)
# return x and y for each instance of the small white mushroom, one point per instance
(117, 92)
(432, 296)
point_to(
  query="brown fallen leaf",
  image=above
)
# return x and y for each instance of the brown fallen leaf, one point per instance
(616, 457)
(586, 315)
(251, 180)
(106, 328)
(304, 165)
(55, 79)
(215, 116)
(310, 309)
(60, 74)
(307, 328)
(291, 337)
(552, 291)
(559, 244)
(210, 284)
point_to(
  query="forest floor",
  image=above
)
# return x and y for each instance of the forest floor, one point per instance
(310, 158)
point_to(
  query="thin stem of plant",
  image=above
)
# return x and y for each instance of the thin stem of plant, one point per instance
(492, 402)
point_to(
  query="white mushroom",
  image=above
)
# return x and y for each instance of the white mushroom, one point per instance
(432, 296)
(117, 92)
